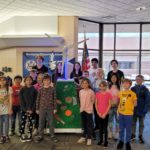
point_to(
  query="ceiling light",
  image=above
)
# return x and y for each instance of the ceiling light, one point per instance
(142, 8)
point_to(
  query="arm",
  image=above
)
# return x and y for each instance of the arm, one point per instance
(96, 103)
(147, 101)
(22, 101)
(107, 110)
(10, 103)
(54, 100)
(38, 101)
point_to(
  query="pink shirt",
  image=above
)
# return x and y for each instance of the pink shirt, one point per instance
(103, 100)
(87, 98)
(37, 86)
(114, 92)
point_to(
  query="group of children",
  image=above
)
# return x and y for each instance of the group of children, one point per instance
(35, 104)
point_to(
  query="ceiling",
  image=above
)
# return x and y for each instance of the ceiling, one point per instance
(96, 10)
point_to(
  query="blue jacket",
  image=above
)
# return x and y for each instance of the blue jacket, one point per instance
(143, 99)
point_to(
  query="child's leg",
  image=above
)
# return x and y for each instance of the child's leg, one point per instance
(30, 124)
(13, 119)
(121, 127)
(19, 118)
(89, 125)
(105, 127)
(110, 123)
(50, 119)
(6, 124)
(128, 126)
(1, 126)
(101, 130)
(134, 121)
(23, 122)
(141, 125)
(84, 122)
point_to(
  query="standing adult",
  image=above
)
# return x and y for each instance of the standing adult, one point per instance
(115, 70)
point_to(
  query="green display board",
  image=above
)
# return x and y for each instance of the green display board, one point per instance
(67, 118)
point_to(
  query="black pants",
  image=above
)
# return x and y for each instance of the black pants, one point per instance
(26, 117)
(87, 122)
(96, 117)
(16, 112)
(36, 120)
(103, 125)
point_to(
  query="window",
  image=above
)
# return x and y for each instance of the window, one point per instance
(146, 37)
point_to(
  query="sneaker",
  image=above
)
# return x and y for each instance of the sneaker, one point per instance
(141, 139)
(110, 135)
(38, 139)
(29, 138)
(100, 142)
(120, 145)
(12, 133)
(35, 132)
(133, 137)
(23, 138)
(54, 139)
(89, 142)
(128, 146)
(105, 144)
(2, 140)
(81, 140)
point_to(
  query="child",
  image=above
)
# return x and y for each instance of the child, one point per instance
(5, 109)
(114, 91)
(126, 106)
(28, 96)
(142, 106)
(86, 74)
(103, 105)
(46, 108)
(16, 104)
(87, 98)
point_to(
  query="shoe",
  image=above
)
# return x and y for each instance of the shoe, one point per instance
(105, 144)
(6, 139)
(128, 146)
(54, 139)
(110, 135)
(38, 139)
(120, 145)
(89, 142)
(12, 133)
(29, 138)
(2, 140)
(81, 140)
(133, 137)
(35, 132)
(100, 142)
(23, 138)
(141, 139)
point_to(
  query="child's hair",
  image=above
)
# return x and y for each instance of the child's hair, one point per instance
(87, 80)
(114, 60)
(28, 77)
(46, 76)
(6, 85)
(86, 71)
(104, 83)
(39, 57)
(140, 76)
(18, 77)
(127, 80)
(94, 59)
(117, 82)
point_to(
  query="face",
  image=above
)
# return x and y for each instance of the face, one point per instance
(94, 64)
(114, 65)
(2, 82)
(139, 81)
(59, 66)
(39, 78)
(39, 61)
(33, 74)
(77, 66)
(86, 74)
(100, 73)
(126, 85)
(46, 82)
(113, 79)
(17, 81)
(102, 87)
(85, 84)
(28, 81)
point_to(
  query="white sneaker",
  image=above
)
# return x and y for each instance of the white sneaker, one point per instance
(35, 132)
(81, 140)
(89, 142)
(110, 136)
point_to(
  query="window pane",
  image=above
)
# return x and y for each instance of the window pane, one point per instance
(128, 63)
(127, 36)
(92, 32)
(107, 57)
(146, 36)
(145, 65)
(108, 37)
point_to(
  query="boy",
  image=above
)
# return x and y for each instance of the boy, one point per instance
(142, 107)
(128, 101)
(16, 104)
(46, 108)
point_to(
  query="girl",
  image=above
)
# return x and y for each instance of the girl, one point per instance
(76, 73)
(28, 96)
(103, 105)
(5, 109)
(87, 98)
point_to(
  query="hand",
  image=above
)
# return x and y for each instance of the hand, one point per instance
(55, 111)
(10, 112)
(37, 111)
(103, 116)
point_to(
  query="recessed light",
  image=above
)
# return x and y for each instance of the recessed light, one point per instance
(141, 8)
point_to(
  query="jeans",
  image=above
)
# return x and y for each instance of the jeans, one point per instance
(125, 126)
(4, 124)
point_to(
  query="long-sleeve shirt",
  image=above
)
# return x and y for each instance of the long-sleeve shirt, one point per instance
(28, 97)
(46, 99)
(87, 99)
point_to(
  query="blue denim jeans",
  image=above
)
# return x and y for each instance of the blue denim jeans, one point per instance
(4, 125)
(125, 126)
